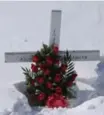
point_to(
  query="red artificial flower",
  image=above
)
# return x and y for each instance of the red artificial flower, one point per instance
(35, 59)
(55, 49)
(58, 90)
(32, 82)
(63, 67)
(69, 83)
(34, 68)
(57, 78)
(49, 85)
(47, 72)
(42, 66)
(56, 100)
(73, 77)
(41, 96)
(57, 62)
(49, 60)
(40, 80)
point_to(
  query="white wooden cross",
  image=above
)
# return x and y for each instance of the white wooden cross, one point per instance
(77, 55)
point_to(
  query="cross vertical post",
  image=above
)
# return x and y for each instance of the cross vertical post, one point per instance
(55, 27)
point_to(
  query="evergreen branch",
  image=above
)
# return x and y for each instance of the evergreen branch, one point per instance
(26, 72)
(70, 65)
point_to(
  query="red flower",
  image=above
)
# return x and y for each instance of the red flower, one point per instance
(58, 90)
(63, 67)
(42, 66)
(73, 77)
(40, 80)
(34, 68)
(41, 96)
(49, 60)
(57, 78)
(55, 49)
(56, 100)
(32, 82)
(49, 85)
(47, 72)
(57, 62)
(35, 59)
(70, 83)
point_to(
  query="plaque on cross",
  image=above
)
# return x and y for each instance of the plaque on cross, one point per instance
(78, 55)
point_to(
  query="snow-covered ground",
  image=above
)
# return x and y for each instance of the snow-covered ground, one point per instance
(18, 104)
(90, 99)
(25, 25)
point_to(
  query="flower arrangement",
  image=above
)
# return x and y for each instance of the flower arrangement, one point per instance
(50, 79)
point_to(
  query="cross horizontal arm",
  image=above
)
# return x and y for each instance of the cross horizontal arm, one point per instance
(77, 55)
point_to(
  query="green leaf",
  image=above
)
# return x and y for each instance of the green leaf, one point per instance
(42, 52)
(45, 46)
(69, 74)
(23, 68)
(72, 92)
(70, 65)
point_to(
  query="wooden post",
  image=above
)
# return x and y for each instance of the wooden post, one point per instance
(55, 27)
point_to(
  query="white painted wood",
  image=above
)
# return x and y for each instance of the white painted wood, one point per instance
(84, 55)
(76, 56)
(55, 27)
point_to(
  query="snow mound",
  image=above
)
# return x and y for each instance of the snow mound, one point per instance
(8, 96)
(94, 106)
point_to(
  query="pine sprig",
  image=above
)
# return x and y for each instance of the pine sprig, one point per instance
(26, 71)
(29, 74)
(70, 64)
(70, 91)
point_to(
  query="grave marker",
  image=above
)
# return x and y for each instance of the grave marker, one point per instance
(78, 55)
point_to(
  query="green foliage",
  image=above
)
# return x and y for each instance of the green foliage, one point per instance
(29, 74)
(70, 65)
(26, 72)
(45, 50)
(70, 91)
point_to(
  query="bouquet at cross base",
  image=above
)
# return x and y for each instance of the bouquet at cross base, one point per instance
(51, 78)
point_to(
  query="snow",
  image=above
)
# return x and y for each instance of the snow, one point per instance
(8, 95)
(94, 106)
(89, 100)
(23, 28)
